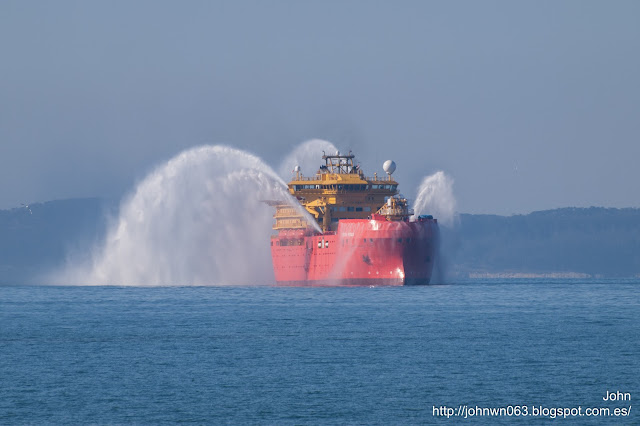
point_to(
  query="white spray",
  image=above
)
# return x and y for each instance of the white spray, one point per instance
(307, 156)
(435, 197)
(199, 219)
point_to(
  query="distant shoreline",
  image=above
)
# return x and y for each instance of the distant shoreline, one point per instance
(568, 243)
(529, 275)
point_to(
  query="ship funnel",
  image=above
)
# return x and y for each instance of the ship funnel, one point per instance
(389, 167)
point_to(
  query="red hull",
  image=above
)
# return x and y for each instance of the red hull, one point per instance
(360, 252)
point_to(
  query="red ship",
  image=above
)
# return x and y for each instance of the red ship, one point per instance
(364, 233)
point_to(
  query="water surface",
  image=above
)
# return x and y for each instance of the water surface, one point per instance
(316, 355)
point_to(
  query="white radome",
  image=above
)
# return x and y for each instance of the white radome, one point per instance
(389, 167)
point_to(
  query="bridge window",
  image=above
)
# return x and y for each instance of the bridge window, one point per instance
(367, 209)
(358, 209)
(343, 209)
(350, 209)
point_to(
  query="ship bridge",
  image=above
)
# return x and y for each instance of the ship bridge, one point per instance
(339, 190)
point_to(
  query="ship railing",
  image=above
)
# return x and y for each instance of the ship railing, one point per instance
(350, 191)
(395, 212)
(290, 224)
(287, 213)
(319, 179)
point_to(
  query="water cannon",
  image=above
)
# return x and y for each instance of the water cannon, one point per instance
(389, 167)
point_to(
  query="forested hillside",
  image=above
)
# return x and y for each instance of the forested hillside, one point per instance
(37, 238)
(594, 241)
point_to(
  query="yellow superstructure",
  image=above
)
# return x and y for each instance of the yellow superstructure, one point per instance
(339, 190)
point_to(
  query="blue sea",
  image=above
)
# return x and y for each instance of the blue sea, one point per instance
(282, 355)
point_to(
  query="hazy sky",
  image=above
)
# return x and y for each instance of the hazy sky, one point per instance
(527, 105)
